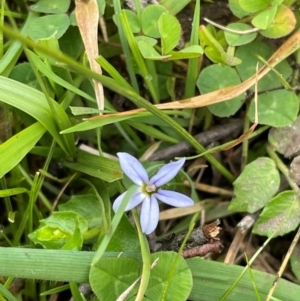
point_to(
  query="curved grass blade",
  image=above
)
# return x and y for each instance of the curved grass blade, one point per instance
(12, 55)
(134, 97)
(95, 123)
(16, 148)
(7, 294)
(51, 75)
(34, 103)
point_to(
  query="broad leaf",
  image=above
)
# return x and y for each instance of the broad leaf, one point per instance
(86, 206)
(283, 210)
(235, 39)
(252, 6)
(60, 230)
(265, 18)
(149, 20)
(256, 185)
(277, 108)
(283, 23)
(170, 32)
(110, 277)
(170, 279)
(285, 140)
(216, 77)
(50, 26)
(125, 238)
(51, 7)
(248, 54)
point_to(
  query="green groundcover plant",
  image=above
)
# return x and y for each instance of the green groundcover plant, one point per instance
(89, 86)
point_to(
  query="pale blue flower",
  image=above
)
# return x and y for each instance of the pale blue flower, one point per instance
(149, 192)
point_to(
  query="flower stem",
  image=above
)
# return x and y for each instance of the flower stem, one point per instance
(145, 256)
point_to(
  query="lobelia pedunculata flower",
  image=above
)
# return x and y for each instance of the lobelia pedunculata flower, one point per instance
(149, 192)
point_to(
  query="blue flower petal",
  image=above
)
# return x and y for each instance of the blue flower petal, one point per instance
(167, 173)
(149, 215)
(137, 198)
(133, 169)
(174, 198)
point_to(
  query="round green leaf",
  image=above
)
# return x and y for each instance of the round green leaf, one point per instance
(248, 54)
(255, 186)
(148, 40)
(52, 26)
(149, 52)
(170, 32)
(284, 210)
(71, 42)
(132, 19)
(23, 73)
(149, 20)
(187, 53)
(285, 140)
(125, 238)
(110, 277)
(86, 205)
(252, 6)
(234, 39)
(236, 9)
(51, 7)
(60, 229)
(217, 77)
(283, 23)
(276, 108)
(171, 278)
(265, 18)
(194, 49)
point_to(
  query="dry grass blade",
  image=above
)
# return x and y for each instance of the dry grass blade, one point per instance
(178, 212)
(87, 15)
(288, 47)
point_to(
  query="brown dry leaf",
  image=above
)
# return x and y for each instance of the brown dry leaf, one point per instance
(178, 212)
(87, 15)
(287, 48)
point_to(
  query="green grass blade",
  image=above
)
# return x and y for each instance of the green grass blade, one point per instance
(134, 97)
(193, 67)
(152, 132)
(95, 123)
(96, 166)
(149, 80)
(12, 55)
(125, 47)
(112, 72)
(12, 191)
(34, 103)
(7, 294)
(211, 279)
(114, 224)
(51, 75)
(16, 148)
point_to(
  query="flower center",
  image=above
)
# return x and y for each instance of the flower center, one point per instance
(150, 188)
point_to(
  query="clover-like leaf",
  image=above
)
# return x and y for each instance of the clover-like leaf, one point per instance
(282, 211)
(255, 186)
